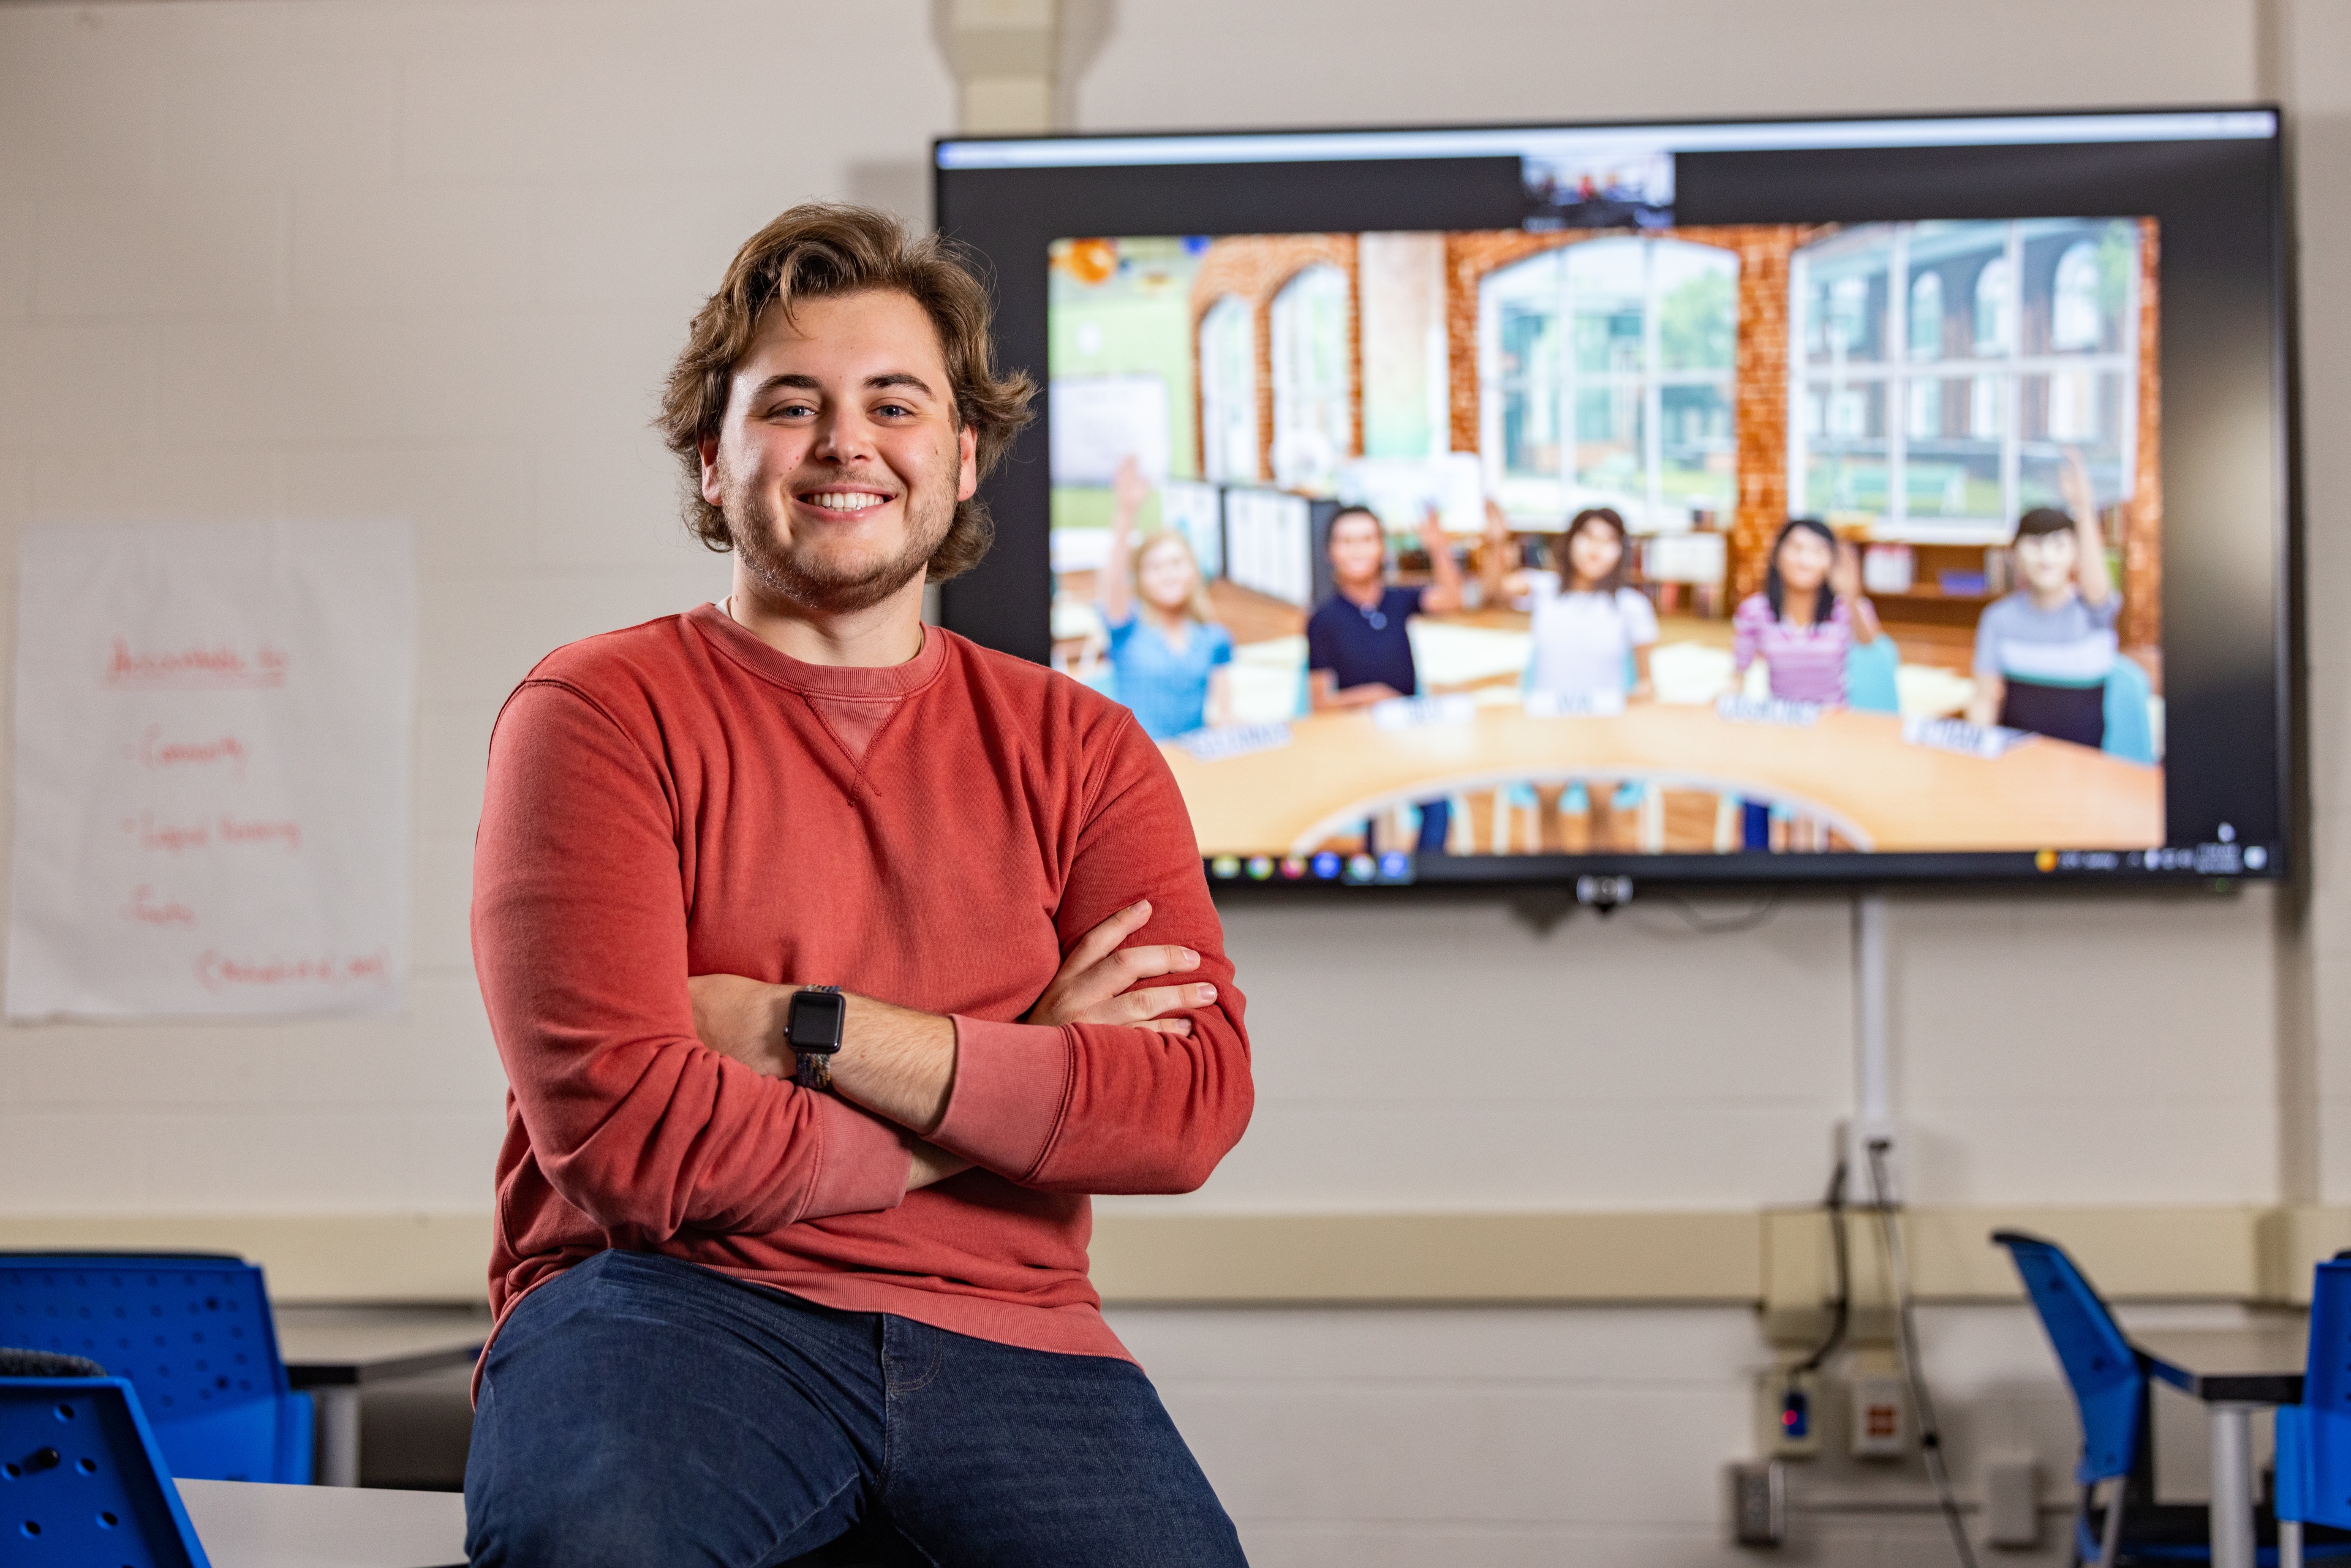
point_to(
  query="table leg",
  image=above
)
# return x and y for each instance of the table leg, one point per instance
(339, 1436)
(2233, 1484)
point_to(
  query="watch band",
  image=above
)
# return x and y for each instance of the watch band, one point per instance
(812, 1059)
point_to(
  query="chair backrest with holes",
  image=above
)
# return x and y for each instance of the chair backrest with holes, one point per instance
(2314, 1457)
(82, 1481)
(2103, 1371)
(192, 1332)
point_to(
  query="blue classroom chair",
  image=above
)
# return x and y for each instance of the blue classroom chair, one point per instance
(2313, 1438)
(2109, 1381)
(1871, 677)
(192, 1332)
(2130, 733)
(83, 1483)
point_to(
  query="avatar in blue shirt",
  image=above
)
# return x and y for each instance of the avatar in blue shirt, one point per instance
(1171, 658)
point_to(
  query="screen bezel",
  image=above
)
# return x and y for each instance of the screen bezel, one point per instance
(2220, 236)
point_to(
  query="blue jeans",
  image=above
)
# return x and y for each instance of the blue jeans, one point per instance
(638, 1410)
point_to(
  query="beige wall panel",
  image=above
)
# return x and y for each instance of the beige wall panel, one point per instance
(1231, 63)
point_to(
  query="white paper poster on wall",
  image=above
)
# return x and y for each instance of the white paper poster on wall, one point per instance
(213, 735)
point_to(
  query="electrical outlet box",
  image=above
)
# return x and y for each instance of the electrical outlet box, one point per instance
(2012, 1503)
(1759, 1504)
(1788, 1414)
(1880, 1427)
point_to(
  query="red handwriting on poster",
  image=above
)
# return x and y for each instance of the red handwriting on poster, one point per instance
(169, 838)
(146, 907)
(172, 838)
(199, 666)
(155, 749)
(283, 833)
(216, 971)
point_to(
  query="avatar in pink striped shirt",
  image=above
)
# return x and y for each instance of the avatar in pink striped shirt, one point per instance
(1810, 613)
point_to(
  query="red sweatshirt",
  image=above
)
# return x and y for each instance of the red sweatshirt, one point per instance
(680, 798)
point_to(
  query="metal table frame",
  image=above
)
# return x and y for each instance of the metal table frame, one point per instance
(2229, 1399)
(334, 1352)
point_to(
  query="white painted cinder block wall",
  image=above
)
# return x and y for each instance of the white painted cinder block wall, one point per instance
(323, 259)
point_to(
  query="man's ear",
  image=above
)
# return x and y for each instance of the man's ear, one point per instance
(712, 491)
(967, 475)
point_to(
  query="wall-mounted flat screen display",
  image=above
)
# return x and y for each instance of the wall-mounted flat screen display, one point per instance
(1835, 500)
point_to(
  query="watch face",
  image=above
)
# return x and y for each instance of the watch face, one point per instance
(815, 1020)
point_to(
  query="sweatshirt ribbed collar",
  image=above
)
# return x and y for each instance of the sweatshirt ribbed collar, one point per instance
(864, 681)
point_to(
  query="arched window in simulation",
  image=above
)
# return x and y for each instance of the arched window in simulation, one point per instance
(2075, 321)
(1606, 379)
(2075, 326)
(1229, 436)
(1313, 380)
(1925, 334)
(1947, 368)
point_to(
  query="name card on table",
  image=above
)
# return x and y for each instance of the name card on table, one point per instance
(1984, 740)
(213, 732)
(1233, 740)
(1741, 709)
(1424, 713)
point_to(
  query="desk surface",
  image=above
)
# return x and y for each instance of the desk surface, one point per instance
(2259, 1365)
(325, 1346)
(246, 1524)
(1853, 770)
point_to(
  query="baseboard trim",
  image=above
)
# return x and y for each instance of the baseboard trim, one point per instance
(1779, 1260)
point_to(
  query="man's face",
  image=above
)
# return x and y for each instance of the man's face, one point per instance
(839, 464)
(1359, 549)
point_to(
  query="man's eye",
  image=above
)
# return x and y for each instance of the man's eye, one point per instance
(790, 411)
(894, 410)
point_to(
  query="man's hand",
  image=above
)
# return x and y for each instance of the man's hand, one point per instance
(1092, 985)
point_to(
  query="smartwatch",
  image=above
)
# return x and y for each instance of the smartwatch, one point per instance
(812, 1026)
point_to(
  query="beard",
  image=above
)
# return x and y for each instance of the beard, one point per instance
(801, 574)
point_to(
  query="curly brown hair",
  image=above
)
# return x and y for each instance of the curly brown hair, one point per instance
(824, 248)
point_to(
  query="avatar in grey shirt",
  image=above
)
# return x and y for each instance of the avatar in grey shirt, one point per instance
(2043, 652)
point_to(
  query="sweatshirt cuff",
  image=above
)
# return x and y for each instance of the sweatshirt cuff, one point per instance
(1009, 1082)
(863, 1163)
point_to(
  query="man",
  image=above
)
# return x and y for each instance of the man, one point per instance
(1358, 650)
(752, 1294)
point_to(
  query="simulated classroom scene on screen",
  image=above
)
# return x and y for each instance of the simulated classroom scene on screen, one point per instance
(1790, 539)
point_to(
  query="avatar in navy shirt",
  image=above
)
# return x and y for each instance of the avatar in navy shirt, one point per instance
(1358, 650)
(1365, 646)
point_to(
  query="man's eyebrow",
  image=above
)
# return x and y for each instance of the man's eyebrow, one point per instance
(809, 383)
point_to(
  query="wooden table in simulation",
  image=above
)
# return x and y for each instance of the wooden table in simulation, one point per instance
(1851, 770)
(333, 1352)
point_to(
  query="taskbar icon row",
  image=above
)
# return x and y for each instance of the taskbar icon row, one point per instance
(1389, 869)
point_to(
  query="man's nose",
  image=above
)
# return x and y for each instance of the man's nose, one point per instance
(844, 435)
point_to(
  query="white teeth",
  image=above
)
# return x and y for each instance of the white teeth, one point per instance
(844, 500)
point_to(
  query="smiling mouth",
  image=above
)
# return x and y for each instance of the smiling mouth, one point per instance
(843, 501)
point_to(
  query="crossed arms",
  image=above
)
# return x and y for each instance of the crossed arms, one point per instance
(586, 867)
(899, 1062)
